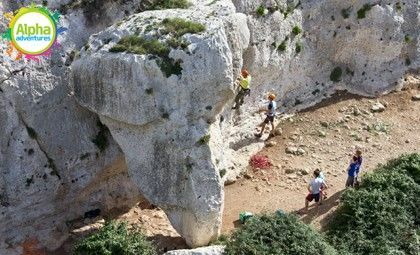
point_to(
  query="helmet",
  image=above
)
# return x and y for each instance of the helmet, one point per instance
(271, 96)
(244, 73)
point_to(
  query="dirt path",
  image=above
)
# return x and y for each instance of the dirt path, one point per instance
(327, 136)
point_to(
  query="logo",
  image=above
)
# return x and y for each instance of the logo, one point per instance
(32, 32)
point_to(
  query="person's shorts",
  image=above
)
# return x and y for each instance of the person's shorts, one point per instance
(269, 119)
(350, 181)
(311, 197)
(245, 92)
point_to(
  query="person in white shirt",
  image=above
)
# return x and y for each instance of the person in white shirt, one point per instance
(271, 113)
(314, 188)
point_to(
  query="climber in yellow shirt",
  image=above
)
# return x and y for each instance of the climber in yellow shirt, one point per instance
(244, 82)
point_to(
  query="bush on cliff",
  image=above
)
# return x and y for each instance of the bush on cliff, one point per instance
(382, 216)
(170, 4)
(277, 235)
(115, 239)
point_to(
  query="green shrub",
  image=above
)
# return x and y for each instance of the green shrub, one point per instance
(260, 11)
(361, 13)
(407, 61)
(221, 240)
(407, 38)
(140, 45)
(176, 27)
(115, 239)
(299, 47)
(296, 30)
(170, 4)
(335, 75)
(179, 27)
(382, 216)
(277, 235)
(282, 47)
(205, 139)
(222, 173)
(405, 164)
(118, 48)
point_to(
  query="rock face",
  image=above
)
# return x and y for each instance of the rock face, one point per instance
(51, 172)
(161, 132)
(177, 133)
(210, 250)
(158, 120)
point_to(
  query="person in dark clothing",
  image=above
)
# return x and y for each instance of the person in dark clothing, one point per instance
(351, 171)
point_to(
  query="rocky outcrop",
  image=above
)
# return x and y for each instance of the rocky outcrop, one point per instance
(178, 134)
(161, 123)
(58, 163)
(291, 48)
(210, 250)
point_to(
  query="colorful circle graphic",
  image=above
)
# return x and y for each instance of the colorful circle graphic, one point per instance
(33, 31)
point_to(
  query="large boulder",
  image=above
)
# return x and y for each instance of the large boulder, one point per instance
(166, 126)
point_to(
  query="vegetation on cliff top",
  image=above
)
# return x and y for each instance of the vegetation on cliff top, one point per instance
(173, 29)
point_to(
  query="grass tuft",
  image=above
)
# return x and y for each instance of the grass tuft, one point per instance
(260, 11)
(282, 47)
(361, 13)
(170, 4)
(179, 27)
(175, 28)
(296, 30)
(204, 140)
(299, 47)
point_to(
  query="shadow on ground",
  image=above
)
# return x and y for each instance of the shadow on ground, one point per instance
(325, 208)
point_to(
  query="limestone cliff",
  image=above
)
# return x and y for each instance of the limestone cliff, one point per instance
(175, 126)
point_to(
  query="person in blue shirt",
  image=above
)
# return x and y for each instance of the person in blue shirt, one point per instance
(351, 171)
(271, 113)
